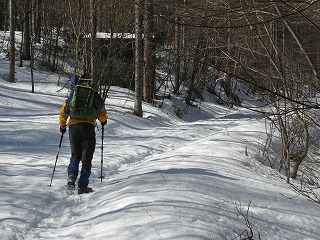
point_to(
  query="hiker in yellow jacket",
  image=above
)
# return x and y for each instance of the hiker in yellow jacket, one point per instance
(82, 123)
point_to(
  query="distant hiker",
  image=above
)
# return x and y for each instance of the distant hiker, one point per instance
(83, 106)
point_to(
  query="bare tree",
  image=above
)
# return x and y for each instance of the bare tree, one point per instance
(138, 58)
(26, 54)
(38, 5)
(149, 65)
(93, 48)
(3, 15)
(12, 41)
(178, 48)
(265, 45)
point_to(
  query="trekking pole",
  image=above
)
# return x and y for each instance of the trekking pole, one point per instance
(102, 152)
(55, 164)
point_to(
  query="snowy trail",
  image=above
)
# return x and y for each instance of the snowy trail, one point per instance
(53, 210)
(180, 192)
(135, 172)
(165, 179)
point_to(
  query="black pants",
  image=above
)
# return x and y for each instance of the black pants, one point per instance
(82, 138)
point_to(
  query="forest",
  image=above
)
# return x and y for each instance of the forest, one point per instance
(270, 47)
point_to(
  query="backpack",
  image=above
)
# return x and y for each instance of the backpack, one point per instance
(83, 102)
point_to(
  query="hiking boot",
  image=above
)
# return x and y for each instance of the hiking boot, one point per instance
(85, 190)
(71, 182)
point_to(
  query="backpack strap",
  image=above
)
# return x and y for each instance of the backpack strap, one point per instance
(74, 81)
(66, 109)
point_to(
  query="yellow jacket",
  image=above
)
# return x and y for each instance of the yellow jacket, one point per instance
(63, 117)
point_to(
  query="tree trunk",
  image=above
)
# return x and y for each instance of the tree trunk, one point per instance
(12, 42)
(138, 58)
(177, 37)
(26, 29)
(195, 70)
(31, 58)
(38, 22)
(148, 52)
(93, 42)
(298, 158)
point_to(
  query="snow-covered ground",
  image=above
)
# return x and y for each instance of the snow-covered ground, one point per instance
(165, 178)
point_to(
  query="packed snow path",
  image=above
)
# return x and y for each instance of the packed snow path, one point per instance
(165, 178)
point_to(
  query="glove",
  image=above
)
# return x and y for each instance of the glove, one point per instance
(63, 129)
(104, 123)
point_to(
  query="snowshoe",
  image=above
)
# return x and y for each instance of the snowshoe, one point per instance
(85, 190)
(71, 182)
